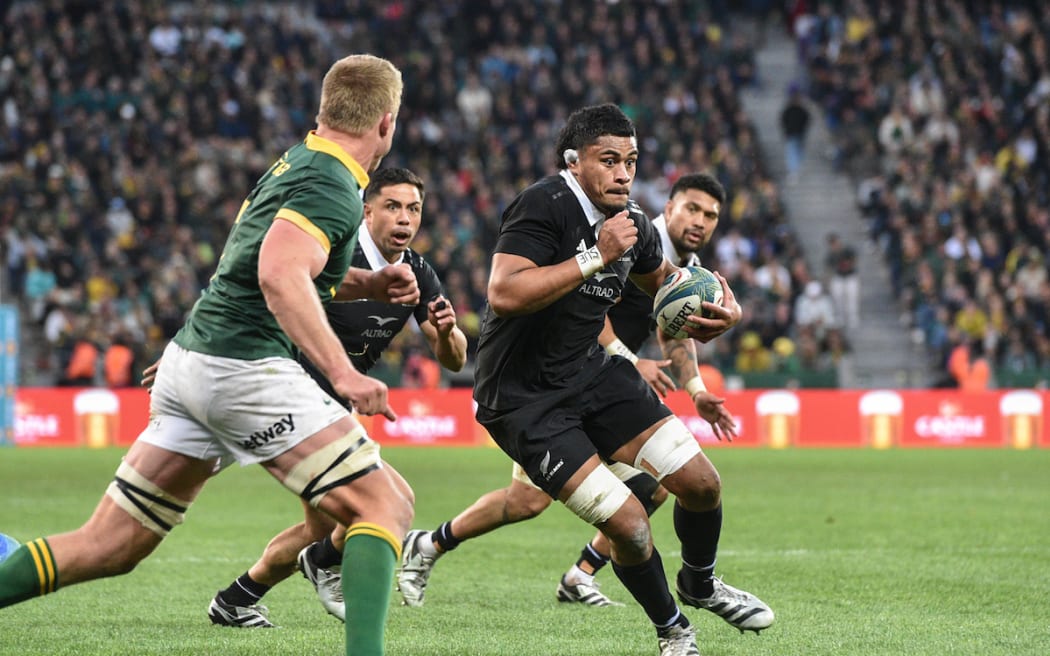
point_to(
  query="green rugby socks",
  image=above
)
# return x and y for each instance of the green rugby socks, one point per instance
(369, 557)
(28, 572)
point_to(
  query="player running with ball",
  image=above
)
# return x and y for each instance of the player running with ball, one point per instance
(558, 405)
(687, 224)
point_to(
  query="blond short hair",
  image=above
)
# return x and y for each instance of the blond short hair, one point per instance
(357, 91)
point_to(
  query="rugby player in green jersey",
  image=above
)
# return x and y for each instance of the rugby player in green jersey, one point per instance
(229, 388)
(393, 213)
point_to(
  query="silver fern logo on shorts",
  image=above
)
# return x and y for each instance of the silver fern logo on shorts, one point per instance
(545, 466)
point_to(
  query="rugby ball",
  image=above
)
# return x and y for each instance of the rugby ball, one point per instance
(7, 546)
(680, 296)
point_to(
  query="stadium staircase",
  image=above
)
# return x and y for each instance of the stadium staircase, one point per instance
(822, 201)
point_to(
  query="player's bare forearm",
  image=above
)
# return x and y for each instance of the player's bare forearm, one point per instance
(682, 354)
(357, 284)
(449, 347)
(518, 286)
(451, 350)
(447, 342)
(391, 284)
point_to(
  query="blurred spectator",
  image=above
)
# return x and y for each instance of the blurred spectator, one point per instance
(39, 282)
(896, 134)
(968, 367)
(785, 359)
(815, 310)
(82, 366)
(840, 263)
(474, 102)
(118, 363)
(794, 125)
(773, 277)
(420, 371)
(752, 356)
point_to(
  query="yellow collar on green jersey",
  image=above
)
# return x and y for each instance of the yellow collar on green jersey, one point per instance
(315, 142)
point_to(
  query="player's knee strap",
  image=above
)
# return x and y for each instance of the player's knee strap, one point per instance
(338, 463)
(598, 497)
(151, 506)
(668, 450)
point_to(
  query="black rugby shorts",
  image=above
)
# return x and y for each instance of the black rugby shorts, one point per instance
(555, 434)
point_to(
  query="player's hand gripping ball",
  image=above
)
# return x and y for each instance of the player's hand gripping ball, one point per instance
(7, 546)
(680, 296)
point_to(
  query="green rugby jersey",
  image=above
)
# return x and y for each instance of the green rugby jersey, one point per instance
(316, 186)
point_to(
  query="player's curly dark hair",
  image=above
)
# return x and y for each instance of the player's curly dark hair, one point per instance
(585, 125)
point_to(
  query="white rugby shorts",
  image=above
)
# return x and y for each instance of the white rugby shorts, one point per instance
(249, 411)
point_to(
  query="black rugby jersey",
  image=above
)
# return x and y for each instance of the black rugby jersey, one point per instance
(556, 347)
(366, 327)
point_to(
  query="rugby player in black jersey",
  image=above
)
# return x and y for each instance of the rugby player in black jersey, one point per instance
(686, 225)
(558, 404)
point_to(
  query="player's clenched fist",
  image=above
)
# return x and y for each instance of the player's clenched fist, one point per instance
(368, 395)
(395, 284)
(617, 234)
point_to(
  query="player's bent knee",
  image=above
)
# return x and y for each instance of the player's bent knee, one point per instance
(698, 486)
(598, 496)
(340, 462)
(667, 450)
(154, 508)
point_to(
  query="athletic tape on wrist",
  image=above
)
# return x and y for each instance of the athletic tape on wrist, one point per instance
(616, 347)
(590, 262)
(695, 385)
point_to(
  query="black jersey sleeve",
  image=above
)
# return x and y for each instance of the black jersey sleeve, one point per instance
(649, 253)
(430, 286)
(530, 227)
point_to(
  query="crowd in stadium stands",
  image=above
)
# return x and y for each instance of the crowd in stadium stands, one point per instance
(942, 115)
(132, 131)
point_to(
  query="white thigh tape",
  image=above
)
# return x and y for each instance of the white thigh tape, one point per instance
(153, 507)
(338, 463)
(598, 497)
(667, 451)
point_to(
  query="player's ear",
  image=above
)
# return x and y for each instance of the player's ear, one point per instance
(386, 124)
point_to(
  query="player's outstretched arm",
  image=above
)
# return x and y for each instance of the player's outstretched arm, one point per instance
(447, 342)
(682, 354)
(517, 285)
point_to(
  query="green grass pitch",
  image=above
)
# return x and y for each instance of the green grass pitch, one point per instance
(858, 552)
